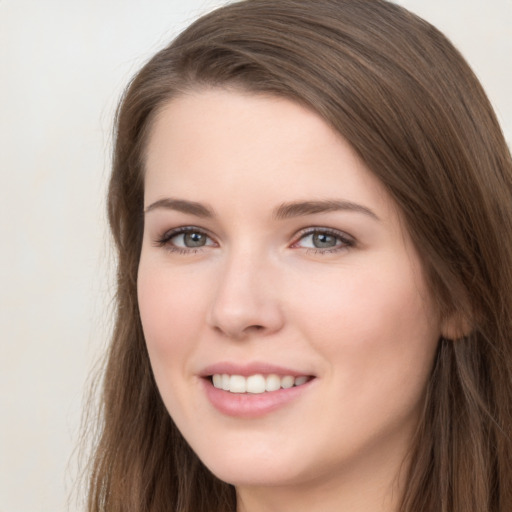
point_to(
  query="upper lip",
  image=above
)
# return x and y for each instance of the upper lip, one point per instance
(248, 369)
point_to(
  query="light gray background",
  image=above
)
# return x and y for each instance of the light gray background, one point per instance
(63, 65)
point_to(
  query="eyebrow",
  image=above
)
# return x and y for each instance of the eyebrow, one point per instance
(284, 211)
(301, 208)
(183, 206)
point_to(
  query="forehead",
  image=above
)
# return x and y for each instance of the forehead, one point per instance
(246, 144)
(234, 121)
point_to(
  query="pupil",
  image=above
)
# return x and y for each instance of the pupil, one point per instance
(321, 240)
(194, 239)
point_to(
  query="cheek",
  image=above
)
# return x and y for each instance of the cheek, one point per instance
(373, 323)
(378, 334)
(170, 305)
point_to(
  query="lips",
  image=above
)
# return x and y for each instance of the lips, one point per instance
(253, 390)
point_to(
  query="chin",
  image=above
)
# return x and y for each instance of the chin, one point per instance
(253, 467)
(256, 474)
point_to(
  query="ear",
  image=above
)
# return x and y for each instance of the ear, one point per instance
(455, 326)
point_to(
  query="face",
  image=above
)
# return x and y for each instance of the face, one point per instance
(287, 320)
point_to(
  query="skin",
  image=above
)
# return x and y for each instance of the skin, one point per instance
(354, 313)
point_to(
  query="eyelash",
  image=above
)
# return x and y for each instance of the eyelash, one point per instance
(346, 241)
(165, 240)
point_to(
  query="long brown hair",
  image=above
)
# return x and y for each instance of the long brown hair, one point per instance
(408, 103)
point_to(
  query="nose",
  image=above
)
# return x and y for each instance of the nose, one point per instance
(245, 302)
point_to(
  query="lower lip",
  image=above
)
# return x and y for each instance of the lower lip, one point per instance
(252, 405)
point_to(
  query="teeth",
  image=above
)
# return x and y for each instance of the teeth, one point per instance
(225, 382)
(287, 382)
(237, 384)
(301, 380)
(273, 383)
(256, 383)
(217, 380)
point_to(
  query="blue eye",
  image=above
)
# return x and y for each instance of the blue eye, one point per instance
(324, 240)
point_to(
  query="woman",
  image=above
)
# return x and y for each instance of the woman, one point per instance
(311, 202)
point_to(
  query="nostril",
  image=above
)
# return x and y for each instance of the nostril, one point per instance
(253, 329)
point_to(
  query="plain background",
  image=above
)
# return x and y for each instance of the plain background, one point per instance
(63, 65)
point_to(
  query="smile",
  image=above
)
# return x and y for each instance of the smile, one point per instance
(257, 383)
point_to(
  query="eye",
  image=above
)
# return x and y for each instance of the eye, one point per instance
(190, 239)
(324, 240)
(185, 239)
